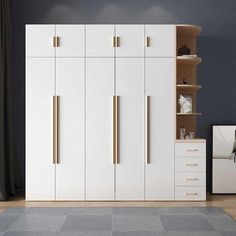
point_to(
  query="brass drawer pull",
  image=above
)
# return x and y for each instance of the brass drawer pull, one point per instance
(191, 150)
(191, 164)
(191, 194)
(191, 178)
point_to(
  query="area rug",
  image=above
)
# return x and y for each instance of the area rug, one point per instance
(122, 221)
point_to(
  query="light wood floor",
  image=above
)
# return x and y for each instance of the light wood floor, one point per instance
(227, 202)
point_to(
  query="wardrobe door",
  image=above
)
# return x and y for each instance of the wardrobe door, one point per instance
(39, 40)
(130, 92)
(160, 116)
(130, 40)
(71, 40)
(99, 139)
(99, 40)
(70, 173)
(40, 170)
(160, 40)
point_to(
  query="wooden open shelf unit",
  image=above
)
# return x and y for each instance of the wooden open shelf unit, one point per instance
(186, 81)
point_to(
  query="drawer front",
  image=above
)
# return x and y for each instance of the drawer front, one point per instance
(190, 193)
(190, 164)
(190, 178)
(190, 150)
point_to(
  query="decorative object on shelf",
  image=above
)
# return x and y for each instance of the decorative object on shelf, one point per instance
(184, 50)
(185, 81)
(182, 132)
(185, 102)
(191, 134)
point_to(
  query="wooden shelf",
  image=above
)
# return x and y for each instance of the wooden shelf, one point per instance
(189, 114)
(188, 61)
(191, 30)
(196, 140)
(188, 86)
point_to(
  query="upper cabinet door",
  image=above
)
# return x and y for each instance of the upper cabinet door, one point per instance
(71, 40)
(39, 40)
(130, 40)
(160, 40)
(99, 40)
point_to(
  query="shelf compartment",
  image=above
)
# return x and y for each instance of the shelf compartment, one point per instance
(188, 86)
(188, 61)
(190, 30)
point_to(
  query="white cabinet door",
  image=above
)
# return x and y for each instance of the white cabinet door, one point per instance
(131, 40)
(99, 110)
(130, 89)
(162, 40)
(70, 173)
(99, 40)
(40, 170)
(71, 40)
(39, 40)
(159, 180)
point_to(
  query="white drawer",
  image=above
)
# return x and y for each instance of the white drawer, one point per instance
(190, 178)
(190, 164)
(190, 149)
(190, 193)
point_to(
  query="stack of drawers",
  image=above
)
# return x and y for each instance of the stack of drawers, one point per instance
(190, 171)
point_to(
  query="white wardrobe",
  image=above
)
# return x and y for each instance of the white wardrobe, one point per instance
(100, 112)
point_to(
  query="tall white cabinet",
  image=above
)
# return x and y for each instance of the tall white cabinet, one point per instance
(100, 112)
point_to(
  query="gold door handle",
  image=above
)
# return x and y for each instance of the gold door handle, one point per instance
(55, 129)
(147, 129)
(56, 41)
(147, 41)
(113, 41)
(117, 41)
(117, 129)
(114, 129)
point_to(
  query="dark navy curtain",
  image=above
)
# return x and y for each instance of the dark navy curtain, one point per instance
(7, 147)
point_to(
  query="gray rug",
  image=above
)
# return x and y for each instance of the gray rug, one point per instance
(116, 222)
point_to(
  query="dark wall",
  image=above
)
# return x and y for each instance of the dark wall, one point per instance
(217, 46)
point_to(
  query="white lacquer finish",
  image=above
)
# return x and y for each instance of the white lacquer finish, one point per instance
(99, 40)
(40, 170)
(131, 39)
(190, 179)
(159, 173)
(70, 171)
(190, 164)
(71, 40)
(99, 157)
(162, 40)
(39, 40)
(224, 178)
(190, 193)
(190, 149)
(130, 89)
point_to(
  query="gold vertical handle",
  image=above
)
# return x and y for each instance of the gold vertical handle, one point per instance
(117, 129)
(117, 41)
(114, 129)
(147, 129)
(55, 129)
(56, 41)
(147, 41)
(113, 41)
